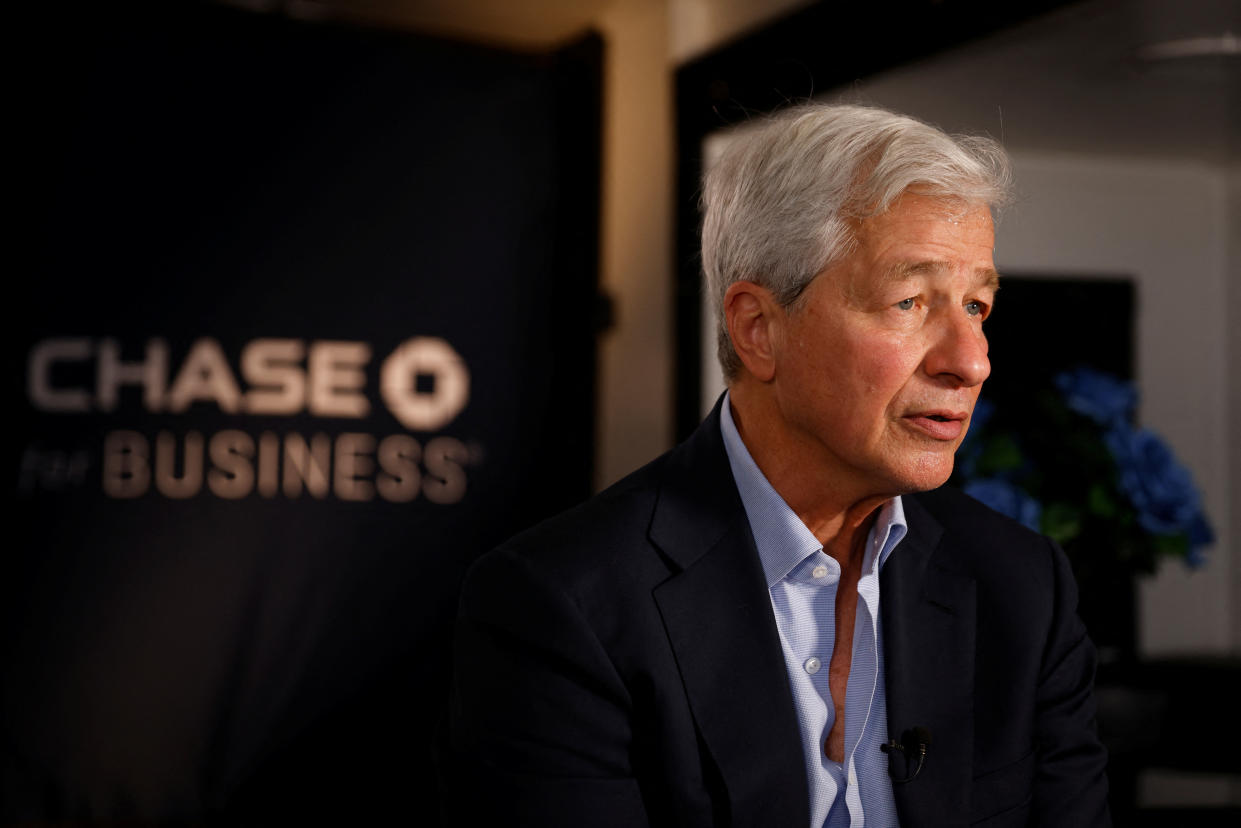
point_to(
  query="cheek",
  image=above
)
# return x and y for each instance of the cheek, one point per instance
(885, 366)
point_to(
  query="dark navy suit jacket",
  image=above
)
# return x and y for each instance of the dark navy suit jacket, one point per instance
(619, 665)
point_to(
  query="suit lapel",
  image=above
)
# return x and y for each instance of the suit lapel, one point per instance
(928, 638)
(719, 621)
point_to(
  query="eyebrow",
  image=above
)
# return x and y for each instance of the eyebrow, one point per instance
(904, 271)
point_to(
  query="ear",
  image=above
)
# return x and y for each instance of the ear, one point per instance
(751, 313)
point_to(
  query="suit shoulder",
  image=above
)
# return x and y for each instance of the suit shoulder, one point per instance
(959, 513)
(601, 540)
(620, 510)
(985, 541)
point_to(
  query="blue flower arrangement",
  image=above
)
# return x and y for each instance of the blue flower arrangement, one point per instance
(1070, 464)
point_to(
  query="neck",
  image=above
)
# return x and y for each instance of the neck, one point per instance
(834, 508)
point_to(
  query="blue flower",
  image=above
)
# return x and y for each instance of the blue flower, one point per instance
(1102, 397)
(1160, 489)
(1006, 499)
(1200, 536)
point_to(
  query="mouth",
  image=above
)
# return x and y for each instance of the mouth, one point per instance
(938, 424)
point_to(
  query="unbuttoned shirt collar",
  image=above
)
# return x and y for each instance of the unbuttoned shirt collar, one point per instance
(783, 540)
(802, 582)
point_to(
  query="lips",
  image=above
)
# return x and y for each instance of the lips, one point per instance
(939, 424)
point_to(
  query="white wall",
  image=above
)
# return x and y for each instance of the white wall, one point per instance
(1166, 224)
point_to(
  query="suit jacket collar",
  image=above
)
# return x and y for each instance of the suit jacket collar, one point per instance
(928, 614)
(717, 614)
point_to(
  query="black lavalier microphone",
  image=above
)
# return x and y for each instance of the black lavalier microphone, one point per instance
(914, 743)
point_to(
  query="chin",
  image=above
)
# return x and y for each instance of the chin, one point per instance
(928, 473)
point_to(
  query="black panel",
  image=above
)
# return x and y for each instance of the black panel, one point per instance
(241, 645)
(1042, 326)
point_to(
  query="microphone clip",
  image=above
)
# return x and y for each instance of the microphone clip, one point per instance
(913, 746)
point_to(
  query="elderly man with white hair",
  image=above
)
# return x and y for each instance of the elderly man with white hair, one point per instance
(785, 621)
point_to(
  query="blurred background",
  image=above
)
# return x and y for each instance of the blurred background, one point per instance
(316, 301)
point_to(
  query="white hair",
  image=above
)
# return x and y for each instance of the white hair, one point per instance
(783, 200)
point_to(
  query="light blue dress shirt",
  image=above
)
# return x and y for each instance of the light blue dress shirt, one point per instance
(802, 579)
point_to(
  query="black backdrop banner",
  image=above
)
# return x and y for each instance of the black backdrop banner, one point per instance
(302, 321)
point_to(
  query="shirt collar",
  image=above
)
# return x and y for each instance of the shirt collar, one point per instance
(783, 541)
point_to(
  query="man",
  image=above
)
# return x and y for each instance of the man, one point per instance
(768, 626)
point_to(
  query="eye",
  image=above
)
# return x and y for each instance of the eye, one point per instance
(975, 308)
(906, 304)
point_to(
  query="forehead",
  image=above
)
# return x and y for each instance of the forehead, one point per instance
(923, 236)
(923, 219)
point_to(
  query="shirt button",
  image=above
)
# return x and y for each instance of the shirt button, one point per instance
(819, 572)
(852, 778)
(812, 665)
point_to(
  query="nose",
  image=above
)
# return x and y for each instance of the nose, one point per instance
(958, 351)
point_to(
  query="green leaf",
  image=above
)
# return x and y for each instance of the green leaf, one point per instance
(1001, 453)
(1100, 502)
(1176, 546)
(1061, 522)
